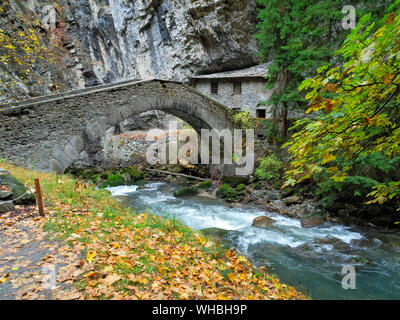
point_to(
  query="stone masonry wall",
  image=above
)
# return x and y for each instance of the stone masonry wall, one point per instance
(253, 92)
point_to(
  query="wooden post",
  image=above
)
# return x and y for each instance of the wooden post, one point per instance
(39, 199)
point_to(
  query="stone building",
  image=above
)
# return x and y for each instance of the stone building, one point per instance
(239, 89)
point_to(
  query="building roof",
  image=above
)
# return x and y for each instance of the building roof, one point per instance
(258, 71)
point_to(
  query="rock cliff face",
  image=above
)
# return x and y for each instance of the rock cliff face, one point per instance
(110, 40)
(163, 38)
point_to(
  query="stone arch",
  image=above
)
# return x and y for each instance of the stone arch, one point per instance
(189, 111)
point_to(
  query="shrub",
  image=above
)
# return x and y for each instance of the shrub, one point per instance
(272, 132)
(244, 120)
(270, 168)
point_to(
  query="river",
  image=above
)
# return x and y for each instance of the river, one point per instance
(297, 255)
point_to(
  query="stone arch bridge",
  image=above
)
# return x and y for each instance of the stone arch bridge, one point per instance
(49, 133)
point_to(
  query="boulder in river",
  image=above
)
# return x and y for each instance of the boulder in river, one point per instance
(263, 222)
(328, 239)
(335, 242)
(214, 232)
(206, 194)
(20, 193)
(310, 221)
(218, 234)
(186, 191)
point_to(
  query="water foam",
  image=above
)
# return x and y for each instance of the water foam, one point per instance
(122, 190)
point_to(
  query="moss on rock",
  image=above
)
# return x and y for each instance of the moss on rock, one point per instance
(205, 185)
(113, 180)
(18, 189)
(186, 191)
(229, 194)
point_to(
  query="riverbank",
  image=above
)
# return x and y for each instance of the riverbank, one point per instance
(110, 252)
(310, 259)
(301, 202)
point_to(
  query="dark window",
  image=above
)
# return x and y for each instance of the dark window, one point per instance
(261, 113)
(237, 87)
(214, 87)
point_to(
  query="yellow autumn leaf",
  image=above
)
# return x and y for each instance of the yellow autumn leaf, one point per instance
(116, 245)
(90, 256)
(328, 158)
(387, 78)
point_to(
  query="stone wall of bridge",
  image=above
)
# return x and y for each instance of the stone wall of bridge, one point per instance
(49, 133)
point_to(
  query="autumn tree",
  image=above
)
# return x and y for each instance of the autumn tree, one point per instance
(354, 134)
(300, 36)
(28, 52)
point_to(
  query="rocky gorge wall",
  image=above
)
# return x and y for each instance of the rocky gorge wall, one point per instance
(112, 40)
(170, 39)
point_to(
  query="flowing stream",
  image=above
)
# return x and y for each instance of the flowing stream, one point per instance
(309, 259)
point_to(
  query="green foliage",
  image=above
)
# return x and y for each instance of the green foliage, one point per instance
(122, 176)
(205, 185)
(272, 132)
(244, 120)
(270, 168)
(302, 35)
(113, 180)
(356, 128)
(352, 189)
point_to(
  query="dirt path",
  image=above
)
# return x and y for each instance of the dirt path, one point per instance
(32, 267)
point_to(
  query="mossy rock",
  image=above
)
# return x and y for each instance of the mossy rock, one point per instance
(220, 235)
(234, 181)
(134, 172)
(361, 260)
(205, 185)
(186, 191)
(240, 187)
(18, 189)
(214, 232)
(229, 194)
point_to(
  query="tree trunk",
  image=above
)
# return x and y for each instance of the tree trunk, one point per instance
(284, 117)
(284, 110)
